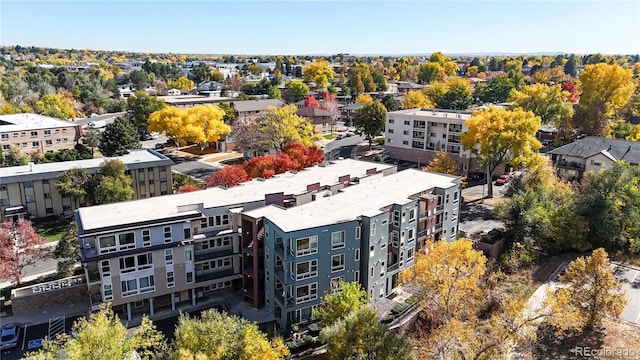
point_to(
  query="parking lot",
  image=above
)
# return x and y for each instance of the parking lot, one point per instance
(31, 335)
(630, 278)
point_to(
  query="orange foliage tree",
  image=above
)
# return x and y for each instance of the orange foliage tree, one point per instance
(187, 188)
(303, 155)
(228, 176)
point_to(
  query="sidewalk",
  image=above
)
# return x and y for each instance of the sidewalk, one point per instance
(42, 317)
(27, 278)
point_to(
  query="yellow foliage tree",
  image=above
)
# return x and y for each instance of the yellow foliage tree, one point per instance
(589, 292)
(318, 70)
(609, 86)
(282, 125)
(550, 103)
(635, 134)
(364, 99)
(442, 163)
(448, 277)
(498, 135)
(416, 99)
(58, 105)
(196, 125)
(181, 83)
(450, 68)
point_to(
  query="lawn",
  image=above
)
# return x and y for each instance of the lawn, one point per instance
(52, 231)
(330, 136)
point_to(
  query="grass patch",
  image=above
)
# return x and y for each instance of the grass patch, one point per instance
(330, 136)
(52, 231)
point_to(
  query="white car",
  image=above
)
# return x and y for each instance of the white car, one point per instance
(97, 124)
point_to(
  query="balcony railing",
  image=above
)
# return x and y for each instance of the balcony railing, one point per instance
(423, 233)
(423, 215)
(439, 208)
(284, 253)
(290, 300)
(454, 140)
(285, 276)
(570, 165)
(214, 275)
(438, 226)
(209, 254)
(394, 267)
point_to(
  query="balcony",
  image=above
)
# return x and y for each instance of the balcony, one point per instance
(290, 301)
(419, 126)
(439, 208)
(455, 130)
(285, 277)
(570, 165)
(423, 215)
(454, 139)
(214, 275)
(394, 267)
(212, 254)
(285, 254)
(438, 227)
(423, 234)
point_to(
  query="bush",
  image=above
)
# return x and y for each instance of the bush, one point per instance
(518, 257)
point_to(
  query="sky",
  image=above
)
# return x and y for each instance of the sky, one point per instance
(325, 27)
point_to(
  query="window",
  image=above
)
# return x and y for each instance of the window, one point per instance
(396, 218)
(406, 132)
(47, 196)
(136, 263)
(106, 268)
(147, 284)
(107, 244)
(47, 132)
(337, 240)
(49, 210)
(373, 229)
(389, 141)
(108, 292)
(126, 241)
(395, 238)
(337, 262)
(278, 261)
(306, 246)
(219, 220)
(357, 254)
(168, 257)
(140, 182)
(190, 277)
(187, 234)
(410, 255)
(390, 131)
(34, 133)
(5, 136)
(372, 250)
(6, 147)
(306, 269)
(23, 134)
(267, 275)
(306, 293)
(146, 237)
(45, 181)
(170, 279)
(356, 276)
(407, 122)
(145, 261)
(35, 143)
(4, 202)
(167, 234)
(48, 143)
(412, 214)
(28, 184)
(129, 287)
(411, 235)
(372, 269)
(358, 233)
(391, 121)
(188, 255)
(405, 142)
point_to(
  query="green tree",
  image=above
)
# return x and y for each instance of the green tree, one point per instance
(140, 79)
(430, 72)
(497, 90)
(140, 106)
(217, 335)
(15, 157)
(274, 92)
(590, 293)
(370, 120)
(113, 184)
(295, 91)
(570, 66)
(76, 183)
(118, 137)
(361, 336)
(91, 138)
(498, 136)
(103, 337)
(337, 305)
(457, 97)
(390, 103)
(550, 103)
(68, 250)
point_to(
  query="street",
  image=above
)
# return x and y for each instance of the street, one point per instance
(342, 148)
(107, 118)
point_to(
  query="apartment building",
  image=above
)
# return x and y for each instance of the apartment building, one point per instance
(418, 134)
(37, 133)
(30, 191)
(592, 154)
(164, 251)
(367, 233)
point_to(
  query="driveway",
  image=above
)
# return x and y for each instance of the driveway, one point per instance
(200, 170)
(107, 118)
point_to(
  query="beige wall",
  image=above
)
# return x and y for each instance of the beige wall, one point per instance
(47, 139)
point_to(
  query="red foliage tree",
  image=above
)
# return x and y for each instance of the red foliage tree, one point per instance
(310, 101)
(228, 176)
(256, 166)
(570, 87)
(304, 156)
(283, 163)
(187, 188)
(20, 246)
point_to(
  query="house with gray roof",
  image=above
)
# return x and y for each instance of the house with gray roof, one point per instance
(592, 154)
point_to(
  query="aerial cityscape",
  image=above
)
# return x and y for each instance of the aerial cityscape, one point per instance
(319, 180)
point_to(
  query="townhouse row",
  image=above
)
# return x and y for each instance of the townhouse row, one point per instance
(281, 242)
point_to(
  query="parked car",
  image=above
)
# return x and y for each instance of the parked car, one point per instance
(349, 134)
(339, 137)
(503, 179)
(154, 135)
(146, 137)
(97, 124)
(9, 336)
(159, 146)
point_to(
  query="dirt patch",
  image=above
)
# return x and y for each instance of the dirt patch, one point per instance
(222, 156)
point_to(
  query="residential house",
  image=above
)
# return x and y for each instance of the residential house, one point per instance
(251, 108)
(351, 109)
(321, 119)
(30, 191)
(186, 101)
(405, 86)
(161, 252)
(367, 233)
(37, 133)
(592, 154)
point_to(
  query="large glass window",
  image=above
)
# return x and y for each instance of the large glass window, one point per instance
(146, 237)
(170, 279)
(306, 269)
(129, 287)
(126, 241)
(167, 234)
(168, 257)
(306, 246)
(306, 293)
(107, 244)
(337, 240)
(108, 292)
(147, 284)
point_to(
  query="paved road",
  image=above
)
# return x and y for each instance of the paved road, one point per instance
(342, 148)
(108, 118)
(200, 170)
(41, 268)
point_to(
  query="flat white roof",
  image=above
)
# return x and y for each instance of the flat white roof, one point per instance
(135, 159)
(162, 207)
(29, 121)
(364, 199)
(437, 113)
